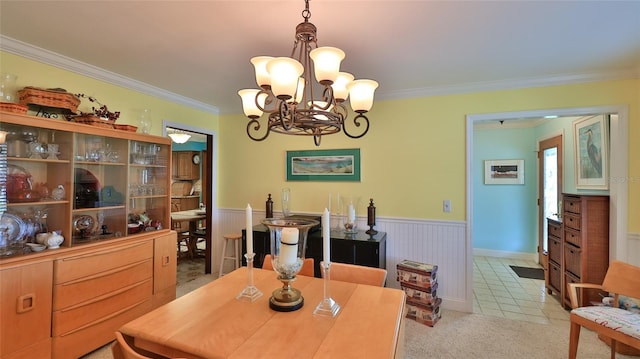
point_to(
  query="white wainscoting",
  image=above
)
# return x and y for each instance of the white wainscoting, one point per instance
(633, 248)
(426, 241)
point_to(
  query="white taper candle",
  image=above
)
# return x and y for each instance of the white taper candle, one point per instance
(249, 229)
(326, 236)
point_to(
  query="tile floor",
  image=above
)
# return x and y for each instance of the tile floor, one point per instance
(498, 291)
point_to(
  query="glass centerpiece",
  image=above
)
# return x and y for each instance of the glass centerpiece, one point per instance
(350, 219)
(288, 243)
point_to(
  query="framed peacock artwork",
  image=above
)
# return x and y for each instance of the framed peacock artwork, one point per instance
(591, 139)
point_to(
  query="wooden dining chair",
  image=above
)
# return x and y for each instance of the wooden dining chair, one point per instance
(357, 274)
(183, 238)
(618, 325)
(307, 266)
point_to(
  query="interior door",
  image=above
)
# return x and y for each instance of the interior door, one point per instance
(550, 188)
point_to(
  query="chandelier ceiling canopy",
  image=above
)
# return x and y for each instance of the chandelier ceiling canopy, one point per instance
(287, 92)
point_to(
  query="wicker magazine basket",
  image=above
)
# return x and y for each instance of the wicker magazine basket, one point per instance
(56, 98)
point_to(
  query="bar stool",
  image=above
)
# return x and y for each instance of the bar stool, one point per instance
(236, 237)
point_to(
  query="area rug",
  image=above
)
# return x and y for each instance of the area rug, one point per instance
(189, 269)
(527, 272)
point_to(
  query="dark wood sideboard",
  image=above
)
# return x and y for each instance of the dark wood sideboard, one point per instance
(360, 248)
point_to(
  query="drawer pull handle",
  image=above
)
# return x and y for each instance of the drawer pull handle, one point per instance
(165, 261)
(26, 303)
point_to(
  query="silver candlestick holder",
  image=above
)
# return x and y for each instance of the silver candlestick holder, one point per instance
(327, 306)
(250, 293)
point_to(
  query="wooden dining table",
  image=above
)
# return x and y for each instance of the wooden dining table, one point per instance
(193, 217)
(210, 322)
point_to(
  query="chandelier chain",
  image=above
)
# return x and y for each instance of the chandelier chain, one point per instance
(306, 13)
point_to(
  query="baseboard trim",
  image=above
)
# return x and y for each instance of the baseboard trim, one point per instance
(505, 254)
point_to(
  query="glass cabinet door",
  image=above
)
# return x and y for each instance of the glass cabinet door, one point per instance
(85, 182)
(148, 181)
(100, 188)
(37, 184)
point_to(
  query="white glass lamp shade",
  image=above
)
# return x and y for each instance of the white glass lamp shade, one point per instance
(3, 137)
(361, 92)
(299, 91)
(340, 86)
(179, 137)
(326, 63)
(249, 106)
(322, 106)
(284, 73)
(262, 75)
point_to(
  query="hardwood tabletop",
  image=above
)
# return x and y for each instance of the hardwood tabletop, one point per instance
(211, 323)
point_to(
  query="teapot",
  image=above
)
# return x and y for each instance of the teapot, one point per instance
(54, 240)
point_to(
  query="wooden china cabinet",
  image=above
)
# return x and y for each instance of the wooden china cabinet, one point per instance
(107, 192)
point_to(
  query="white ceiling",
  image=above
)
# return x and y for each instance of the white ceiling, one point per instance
(201, 49)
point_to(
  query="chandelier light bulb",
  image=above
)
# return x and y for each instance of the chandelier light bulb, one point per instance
(326, 63)
(361, 92)
(262, 75)
(299, 91)
(340, 90)
(284, 73)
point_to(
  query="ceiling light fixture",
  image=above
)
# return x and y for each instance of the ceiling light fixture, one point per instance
(179, 137)
(287, 92)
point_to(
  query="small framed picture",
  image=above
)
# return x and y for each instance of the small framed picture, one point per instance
(504, 172)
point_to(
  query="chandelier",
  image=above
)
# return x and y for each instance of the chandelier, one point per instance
(286, 91)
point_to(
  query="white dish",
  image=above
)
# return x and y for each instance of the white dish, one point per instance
(36, 247)
(15, 226)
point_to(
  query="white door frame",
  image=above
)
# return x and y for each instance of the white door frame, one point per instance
(618, 184)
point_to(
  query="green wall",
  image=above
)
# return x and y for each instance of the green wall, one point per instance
(504, 216)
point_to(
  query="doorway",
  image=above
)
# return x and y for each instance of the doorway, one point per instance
(203, 147)
(618, 190)
(549, 188)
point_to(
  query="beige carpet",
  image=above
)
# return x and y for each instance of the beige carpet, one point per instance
(462, 335)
